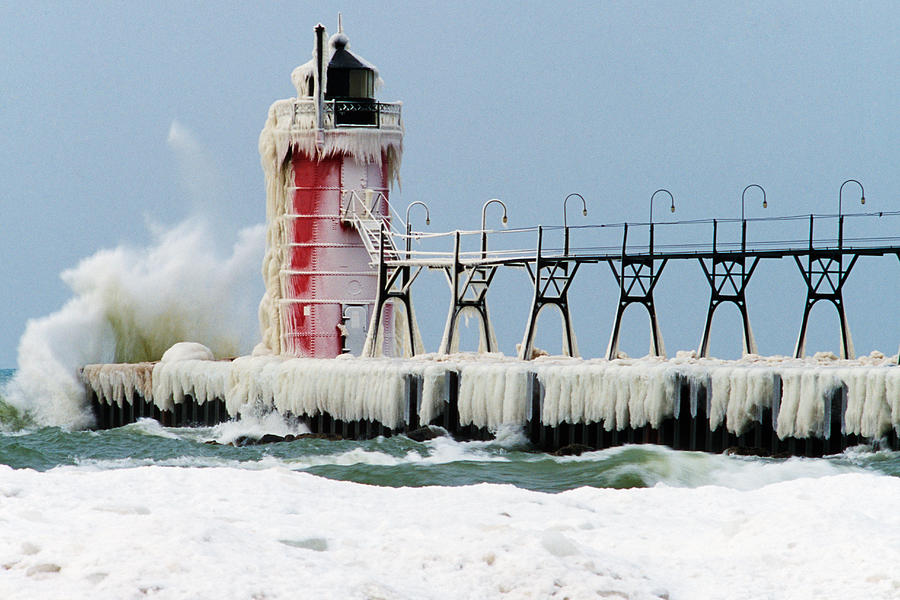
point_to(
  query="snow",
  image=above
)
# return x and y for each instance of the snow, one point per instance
(168, 532)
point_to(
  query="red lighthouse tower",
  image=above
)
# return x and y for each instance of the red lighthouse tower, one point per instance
(328, 154)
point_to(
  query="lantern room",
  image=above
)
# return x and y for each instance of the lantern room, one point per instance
(350, 84)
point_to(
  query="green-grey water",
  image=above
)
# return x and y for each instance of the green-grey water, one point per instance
(400, 461)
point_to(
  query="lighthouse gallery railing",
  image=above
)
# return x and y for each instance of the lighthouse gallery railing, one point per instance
(348, 113)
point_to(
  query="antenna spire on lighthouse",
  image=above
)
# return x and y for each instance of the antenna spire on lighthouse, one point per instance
(320, 88)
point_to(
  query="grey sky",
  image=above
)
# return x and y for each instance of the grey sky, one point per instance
(525, 102)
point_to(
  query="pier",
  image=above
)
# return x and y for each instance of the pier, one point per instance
(806, 407)
(824, 264)
(340, 349)
(763, 405)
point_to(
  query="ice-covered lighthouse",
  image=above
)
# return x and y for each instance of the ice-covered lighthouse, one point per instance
(331, 152)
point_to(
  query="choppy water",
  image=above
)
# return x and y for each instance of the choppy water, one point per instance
(401, 462)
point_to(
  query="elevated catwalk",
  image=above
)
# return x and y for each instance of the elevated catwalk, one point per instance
(810, 406)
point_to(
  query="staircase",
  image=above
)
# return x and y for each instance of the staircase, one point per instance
(356, 209)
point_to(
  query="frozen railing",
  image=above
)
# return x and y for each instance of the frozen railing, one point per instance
(780, 235)
(501, 246)
(345, 113)
(362, 211)
(772, 236)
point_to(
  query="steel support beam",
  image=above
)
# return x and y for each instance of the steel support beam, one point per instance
(468, 292)
(728, 277)
(551, 279)
(825, 274)
(394, 283)
(637, 279)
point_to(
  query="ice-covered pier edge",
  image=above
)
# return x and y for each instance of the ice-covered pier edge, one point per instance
(766, 402)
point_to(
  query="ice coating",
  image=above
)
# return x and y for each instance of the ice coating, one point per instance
(120, 382)
(203, 380)
(493, 389)
(187, 351)
(287, 130)
(466, 313)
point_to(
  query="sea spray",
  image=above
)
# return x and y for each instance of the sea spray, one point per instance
(130, 305)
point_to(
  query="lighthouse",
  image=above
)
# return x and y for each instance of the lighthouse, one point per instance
(330, 156)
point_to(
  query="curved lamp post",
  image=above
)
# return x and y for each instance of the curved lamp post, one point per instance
(743, 220)
(409, 226)
(671, 209)
(744, 193)
(862, 200)
(862, 196)
(566, 201)
(484, 218)
(565, 223)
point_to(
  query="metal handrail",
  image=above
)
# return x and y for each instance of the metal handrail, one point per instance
(354, 197)
(354, 205)
(387, 114)
(356, 209)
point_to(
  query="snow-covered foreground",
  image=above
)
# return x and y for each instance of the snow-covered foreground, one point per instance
(164, 532)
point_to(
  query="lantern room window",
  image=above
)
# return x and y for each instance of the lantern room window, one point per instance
(362, 83)
(350, 84)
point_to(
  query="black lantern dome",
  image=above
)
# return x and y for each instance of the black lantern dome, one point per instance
(349, 77)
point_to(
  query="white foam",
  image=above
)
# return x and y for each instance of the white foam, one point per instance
(130, 305)
(255, 426)
(660, 465)
(152, 427)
